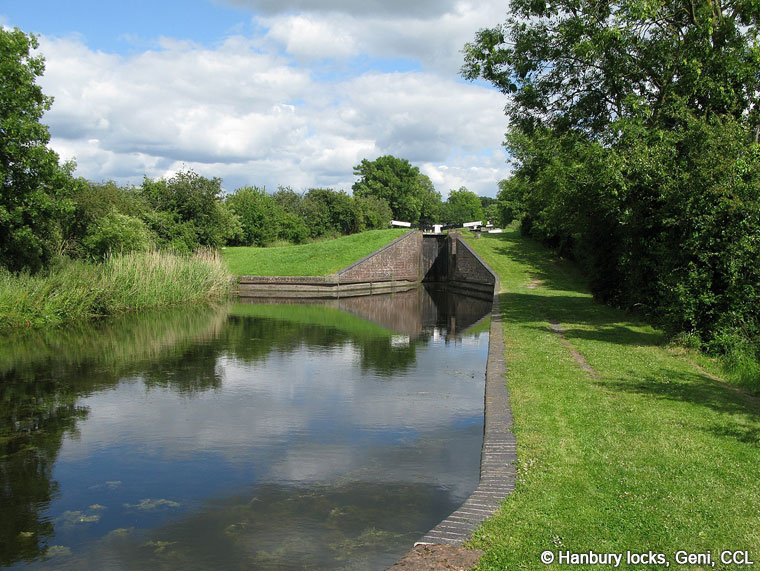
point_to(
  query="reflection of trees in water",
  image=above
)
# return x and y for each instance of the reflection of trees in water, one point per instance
(254, 338)
(381, 357)
(44, 373)
(32, 424)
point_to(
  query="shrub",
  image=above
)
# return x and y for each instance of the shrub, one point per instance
(116, 232)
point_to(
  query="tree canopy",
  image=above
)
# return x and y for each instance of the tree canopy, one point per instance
(34, 186)
(634, 130)
(462, 206)
(587, 64)
(409, 193)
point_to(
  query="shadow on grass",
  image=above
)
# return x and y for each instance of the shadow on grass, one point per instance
(564, 297)
(699, 389)
(556, 273)
(574, 313)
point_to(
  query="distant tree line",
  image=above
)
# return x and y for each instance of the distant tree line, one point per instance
(46, 212)
(634, 132)
(189, 211)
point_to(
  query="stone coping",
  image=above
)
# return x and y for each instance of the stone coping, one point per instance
(498, 461)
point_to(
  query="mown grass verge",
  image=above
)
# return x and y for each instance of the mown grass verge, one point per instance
(78, 290)
(315, 259)
(623, 442)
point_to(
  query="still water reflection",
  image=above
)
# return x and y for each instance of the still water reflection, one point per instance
(244, 436)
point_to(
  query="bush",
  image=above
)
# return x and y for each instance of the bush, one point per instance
(195, 204)
(260, 216)
(117, 233)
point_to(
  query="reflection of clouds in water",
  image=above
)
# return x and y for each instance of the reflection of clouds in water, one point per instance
(314, 422)
(305, 416)
(281, 398)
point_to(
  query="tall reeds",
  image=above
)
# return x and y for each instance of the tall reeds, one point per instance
(73, 290)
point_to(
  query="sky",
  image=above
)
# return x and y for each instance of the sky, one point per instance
(267, 92)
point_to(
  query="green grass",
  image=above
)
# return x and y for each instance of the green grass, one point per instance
(648, 451)
(80, 290)
(316, 259)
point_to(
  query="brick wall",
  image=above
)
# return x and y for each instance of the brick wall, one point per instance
(399, 260)
(435, 258)
(465, 265)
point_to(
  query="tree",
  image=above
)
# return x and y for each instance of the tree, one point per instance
(118, 234)
(92, 202)
(375, 212)
(430, 200)
(586, 65)
(34, 185)
(197, 216)
(330, 212)
(398, 183)
(259, 215)
(634, 132)
(462, 206)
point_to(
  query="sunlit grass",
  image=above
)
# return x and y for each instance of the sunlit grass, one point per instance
(647, 451)
(316, 259)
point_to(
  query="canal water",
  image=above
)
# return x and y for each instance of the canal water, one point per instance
(330, 435)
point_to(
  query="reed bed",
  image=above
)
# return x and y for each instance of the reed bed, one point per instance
(73, 290)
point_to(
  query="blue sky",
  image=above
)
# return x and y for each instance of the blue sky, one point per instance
(267, 92)
(126, 27)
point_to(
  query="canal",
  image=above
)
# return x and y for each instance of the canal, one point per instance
(329, 435)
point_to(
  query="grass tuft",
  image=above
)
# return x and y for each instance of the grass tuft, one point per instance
(75, 290)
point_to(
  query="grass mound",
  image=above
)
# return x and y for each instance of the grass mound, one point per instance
(316, 259)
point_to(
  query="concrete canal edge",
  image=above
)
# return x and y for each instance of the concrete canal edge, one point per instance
(498, 461)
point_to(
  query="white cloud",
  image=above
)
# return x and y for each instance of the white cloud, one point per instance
(246, 110)
(434, 38)
(309, 38)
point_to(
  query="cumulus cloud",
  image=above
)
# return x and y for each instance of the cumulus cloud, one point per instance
(433, 38)
(253, 110)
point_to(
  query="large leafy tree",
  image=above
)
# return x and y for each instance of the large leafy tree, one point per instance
(634, 135)
(409, 193)
(34, 186)
(462, 206)
(586, 64)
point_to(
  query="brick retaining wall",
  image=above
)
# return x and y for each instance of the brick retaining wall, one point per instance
(401, 260)
(398, 266)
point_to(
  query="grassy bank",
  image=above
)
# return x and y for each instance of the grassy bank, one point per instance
(316, 259)
(79, 290)
(623, 443)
